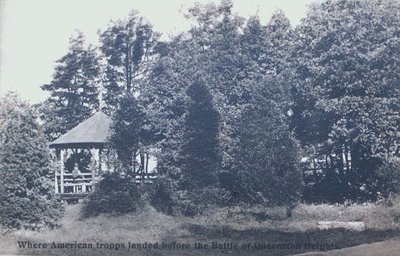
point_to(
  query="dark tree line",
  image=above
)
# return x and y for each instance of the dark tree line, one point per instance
(233, 105)
(346, 101)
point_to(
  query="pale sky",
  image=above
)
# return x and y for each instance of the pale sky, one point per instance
(35, 33)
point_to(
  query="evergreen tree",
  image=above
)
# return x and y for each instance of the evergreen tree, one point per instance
(267, 166)
(128, 48)
(73, 90)
(201, 158)
(127, 131)
(26, 196)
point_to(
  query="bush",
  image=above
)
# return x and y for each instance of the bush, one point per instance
(163, 195)
(113, 195)
(31, 212)
(197, 201)
(390, 178)
(167, 197)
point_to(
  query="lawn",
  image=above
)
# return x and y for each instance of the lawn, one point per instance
(227, 231)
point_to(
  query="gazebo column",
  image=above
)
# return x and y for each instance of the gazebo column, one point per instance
(147, 164)
(62, 171)
(100, 159)
(55, 183)
(55, 173)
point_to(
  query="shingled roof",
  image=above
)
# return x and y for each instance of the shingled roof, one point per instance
(94, 131)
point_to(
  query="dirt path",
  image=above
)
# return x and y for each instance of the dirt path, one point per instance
(7, 246)
(386, 248)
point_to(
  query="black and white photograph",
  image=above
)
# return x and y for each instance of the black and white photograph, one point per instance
(200, 127)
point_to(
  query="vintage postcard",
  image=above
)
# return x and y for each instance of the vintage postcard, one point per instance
(210, 127)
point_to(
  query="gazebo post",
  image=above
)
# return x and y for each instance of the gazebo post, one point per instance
(100, 159)
(147, 163)
(55, 173)
(62, 171)
(94, 171)
(55, 183)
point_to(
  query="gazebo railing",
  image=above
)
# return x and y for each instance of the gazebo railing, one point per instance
(84, 183)
(146, 178)
(78, 185)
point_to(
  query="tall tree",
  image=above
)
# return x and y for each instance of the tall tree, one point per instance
(127, 131)
(220, 62)
(164, 99)
(73, 89)
(267, 52)
(267, 160)
(267, 48)
(26, 196)
(128, 48)
(201, 157)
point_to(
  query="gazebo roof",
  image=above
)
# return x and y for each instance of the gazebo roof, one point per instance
(93, 132)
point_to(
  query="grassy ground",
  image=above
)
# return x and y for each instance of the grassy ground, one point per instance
(390, 247)
(266, 230)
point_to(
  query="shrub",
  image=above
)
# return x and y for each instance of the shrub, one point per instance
(113, 195)
(196, 201)
(163, 195)
(390, 177)
(168, 197)
(31, 212)
(394, 208)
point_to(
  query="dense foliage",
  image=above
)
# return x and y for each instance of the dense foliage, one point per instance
(347, 98)
(126, 131)
(267, 161)
(113, 195)
(389, 174)
(163, 196)
(168, 195)
(230, 58)
(26, 193)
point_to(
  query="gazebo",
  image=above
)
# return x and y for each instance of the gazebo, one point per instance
(86, 141)
(80, 155)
